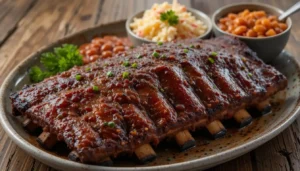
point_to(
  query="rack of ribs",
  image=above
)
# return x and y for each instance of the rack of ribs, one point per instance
(131, 102)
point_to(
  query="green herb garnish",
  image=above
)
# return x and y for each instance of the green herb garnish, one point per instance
(169, 17)
(213, 54)
(125, 74)
(126, 63)
(164, 56)
(250, 75)
(185, 50)
(159, 43)
(78, 77)
(134, 65)
(155, 54)
(95, 88)
(87, 69)
(62, 59)
(211, 60)
(139, 56)
(111, 124)
(192, 46)
(109, 74)
(37, 75)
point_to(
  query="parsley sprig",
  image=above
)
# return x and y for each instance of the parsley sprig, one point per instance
(170, 17)
(62, 59)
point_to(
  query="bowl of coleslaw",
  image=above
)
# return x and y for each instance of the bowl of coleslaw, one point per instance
(167, 22)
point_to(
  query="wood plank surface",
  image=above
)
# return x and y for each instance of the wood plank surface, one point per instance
(27, 25)
(11, 12)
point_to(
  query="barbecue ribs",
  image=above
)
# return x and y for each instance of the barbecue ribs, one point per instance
(147, 94)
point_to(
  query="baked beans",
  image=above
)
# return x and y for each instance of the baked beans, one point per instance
(103, 47)
(252, 24)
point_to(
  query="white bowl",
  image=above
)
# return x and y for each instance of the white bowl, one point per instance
(139, 40)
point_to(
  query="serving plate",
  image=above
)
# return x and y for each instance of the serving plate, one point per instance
(206, 154)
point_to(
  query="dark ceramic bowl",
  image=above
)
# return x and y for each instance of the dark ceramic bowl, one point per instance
(267, 48)
(136, 40)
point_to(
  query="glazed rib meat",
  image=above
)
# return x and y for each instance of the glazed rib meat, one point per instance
(147, 94)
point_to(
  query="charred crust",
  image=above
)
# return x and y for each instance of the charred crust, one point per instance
(266, 110)
(187, 145)
(220, 134)
(148, 158)
(245, 122)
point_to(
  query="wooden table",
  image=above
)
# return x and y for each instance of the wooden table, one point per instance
(27, 25)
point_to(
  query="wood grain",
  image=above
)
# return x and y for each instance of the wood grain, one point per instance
(44, 23)
(10, 14)
(27, 25)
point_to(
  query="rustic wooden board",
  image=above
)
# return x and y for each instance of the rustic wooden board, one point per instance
(27, 25)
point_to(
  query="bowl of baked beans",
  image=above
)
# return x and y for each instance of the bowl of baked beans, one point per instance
(103, 47)
(256, 24)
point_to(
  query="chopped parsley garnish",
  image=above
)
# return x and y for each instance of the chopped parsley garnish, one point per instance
(213, 54)
(139, 56)
(164, 56)
(36, 74)
(125, 74)
(155, 54)
(87, 69)
(134, 65)
(192, 46)
(95, 88)
(78, 77)
(169, 17)
(109, 74)
(211, 60)
(159, 43)
(62, 59)
(185, 50)
(250, 74)
(111, 124)
(126, 63)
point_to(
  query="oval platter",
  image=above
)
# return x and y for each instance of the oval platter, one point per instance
(206, 154)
